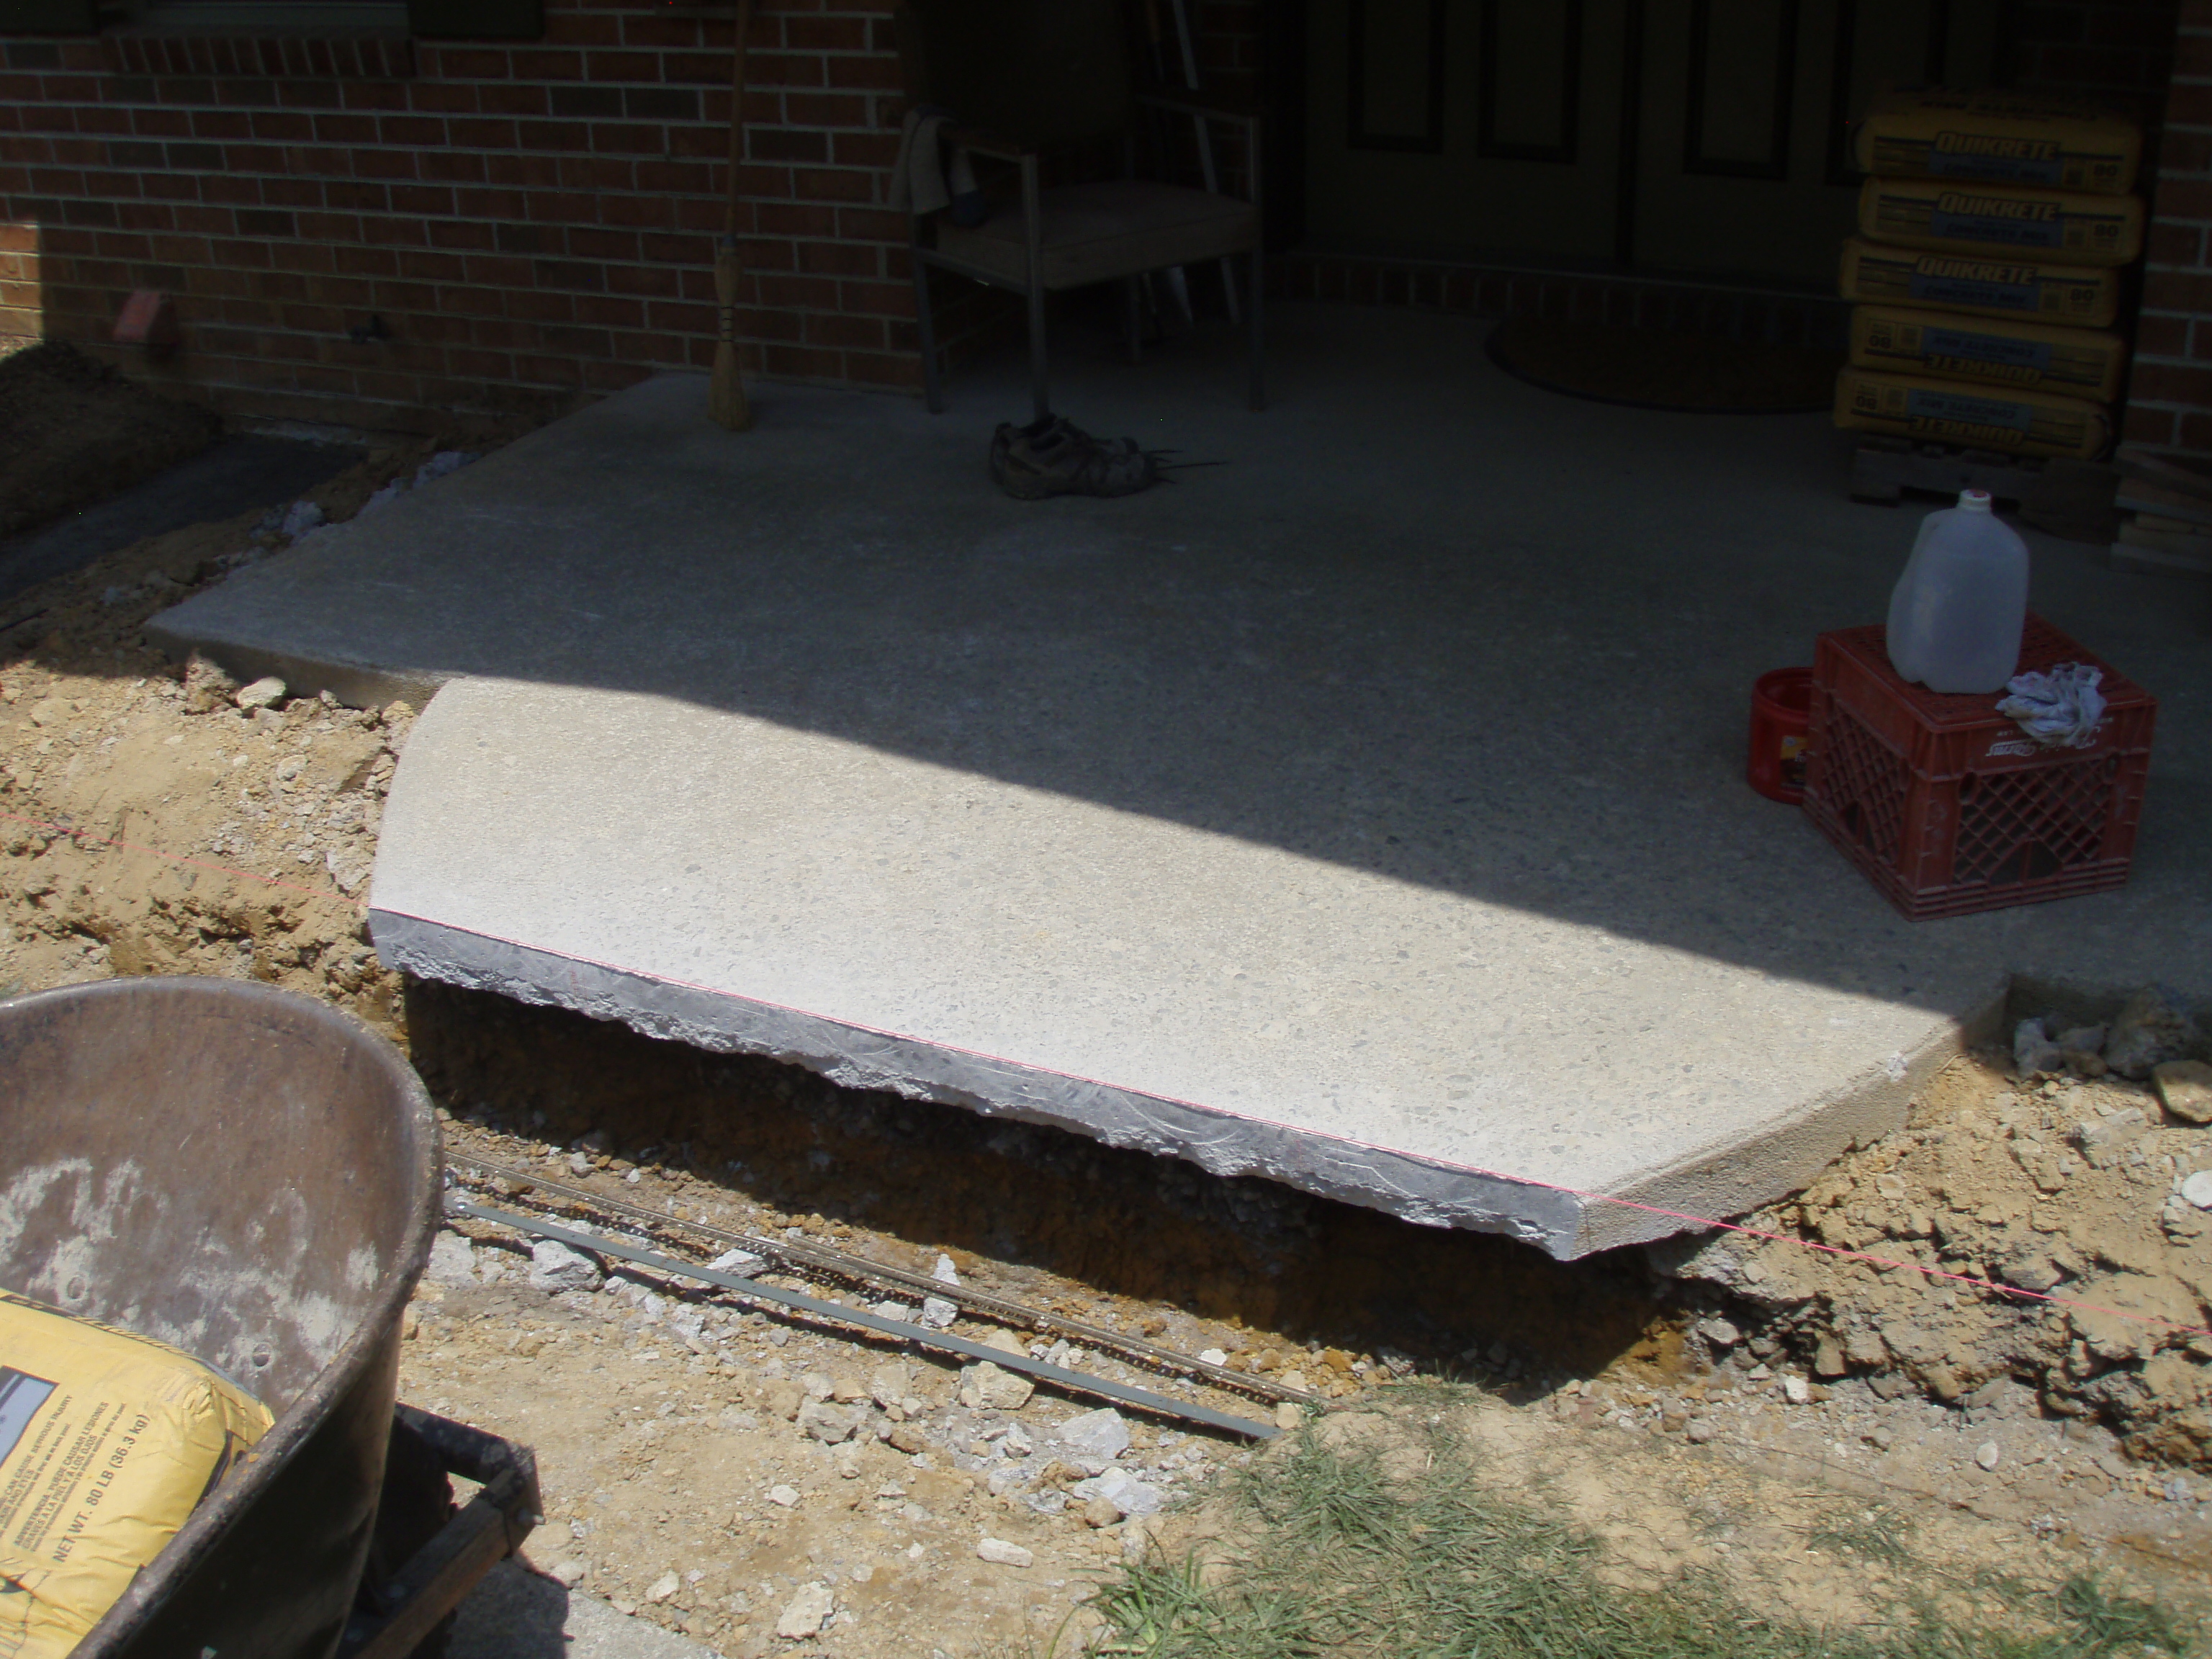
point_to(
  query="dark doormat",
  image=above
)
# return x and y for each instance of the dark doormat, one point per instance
(1649, 369)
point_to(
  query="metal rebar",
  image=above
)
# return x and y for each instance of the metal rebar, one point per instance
(903, 1330)
(844, 1264)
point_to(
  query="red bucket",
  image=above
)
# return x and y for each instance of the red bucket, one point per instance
(1781, 711)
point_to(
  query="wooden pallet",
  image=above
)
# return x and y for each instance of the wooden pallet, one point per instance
(2166, 526)
(1886, 470)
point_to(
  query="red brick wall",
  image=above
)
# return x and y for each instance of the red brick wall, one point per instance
(531, 221)
(20, 286)
(2116, 51)
(2170, 397)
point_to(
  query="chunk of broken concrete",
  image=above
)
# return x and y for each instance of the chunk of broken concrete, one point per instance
(2184, 1089)
(806, 1613)
(264, 693)
(2082, 1040)
(2033, 1049)
(1118, 1487)
(555, 1266)
(998, 1550)
(453, 1261)
(831, 1424)
(2102, 1137)
(2153, 1027)
(986, 1387)
(1103, 1433)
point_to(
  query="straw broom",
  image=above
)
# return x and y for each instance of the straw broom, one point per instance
(727, 399)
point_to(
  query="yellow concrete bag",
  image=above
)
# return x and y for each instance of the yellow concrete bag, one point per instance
(2075, 296)
(1979, 417)
(2081, 362)
(1991, 220)
(108, 1442)
(2002, 138)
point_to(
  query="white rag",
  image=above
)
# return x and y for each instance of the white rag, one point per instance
(920, 182)
(2059, 709)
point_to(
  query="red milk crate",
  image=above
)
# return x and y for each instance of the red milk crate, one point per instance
(1950, 807)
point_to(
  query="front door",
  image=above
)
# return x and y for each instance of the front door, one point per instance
(1695, 136)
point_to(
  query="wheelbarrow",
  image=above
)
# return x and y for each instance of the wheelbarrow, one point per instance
(253, 1178)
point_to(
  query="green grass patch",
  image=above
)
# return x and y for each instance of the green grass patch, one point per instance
(1339, 1558)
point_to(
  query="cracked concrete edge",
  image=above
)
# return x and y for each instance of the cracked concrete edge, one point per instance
(1716, 1184)
(1726, 1181)
(355, 684)
(1222, 1143)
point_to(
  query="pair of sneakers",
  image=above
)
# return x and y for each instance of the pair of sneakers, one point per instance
(1054, 457)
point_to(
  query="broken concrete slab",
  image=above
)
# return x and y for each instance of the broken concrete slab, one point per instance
(1366, 813)
(730, 882)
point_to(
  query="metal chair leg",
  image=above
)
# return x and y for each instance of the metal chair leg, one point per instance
(933, 379)
(1033, 237)
(1039, 394)
(1252, 328)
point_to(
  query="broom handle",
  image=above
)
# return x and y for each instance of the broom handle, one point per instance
(738, 112)
(726, 394)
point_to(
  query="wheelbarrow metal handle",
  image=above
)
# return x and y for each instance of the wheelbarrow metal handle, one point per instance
(487, 1529)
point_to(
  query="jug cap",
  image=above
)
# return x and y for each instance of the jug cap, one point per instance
(1974, 500)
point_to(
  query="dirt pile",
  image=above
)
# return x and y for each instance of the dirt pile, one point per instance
(73, 430)
(2066, 1185)
(152, 819)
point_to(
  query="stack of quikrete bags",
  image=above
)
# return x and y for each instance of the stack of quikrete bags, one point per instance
(1986, 272)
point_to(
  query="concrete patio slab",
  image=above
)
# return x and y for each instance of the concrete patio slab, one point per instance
(1365, 812)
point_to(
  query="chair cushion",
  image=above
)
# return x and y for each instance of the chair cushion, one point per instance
(1095, 233)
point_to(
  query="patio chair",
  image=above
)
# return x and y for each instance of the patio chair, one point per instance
(1022, 78)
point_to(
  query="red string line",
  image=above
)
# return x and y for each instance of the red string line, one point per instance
(84, 835)
(1968, 1280)
(1350, 1140)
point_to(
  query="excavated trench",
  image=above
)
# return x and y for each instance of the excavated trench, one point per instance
(912, 1175)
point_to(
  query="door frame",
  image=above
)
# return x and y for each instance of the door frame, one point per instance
(1284, 67)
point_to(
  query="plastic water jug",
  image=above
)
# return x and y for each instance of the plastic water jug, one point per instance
(1956, 616)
